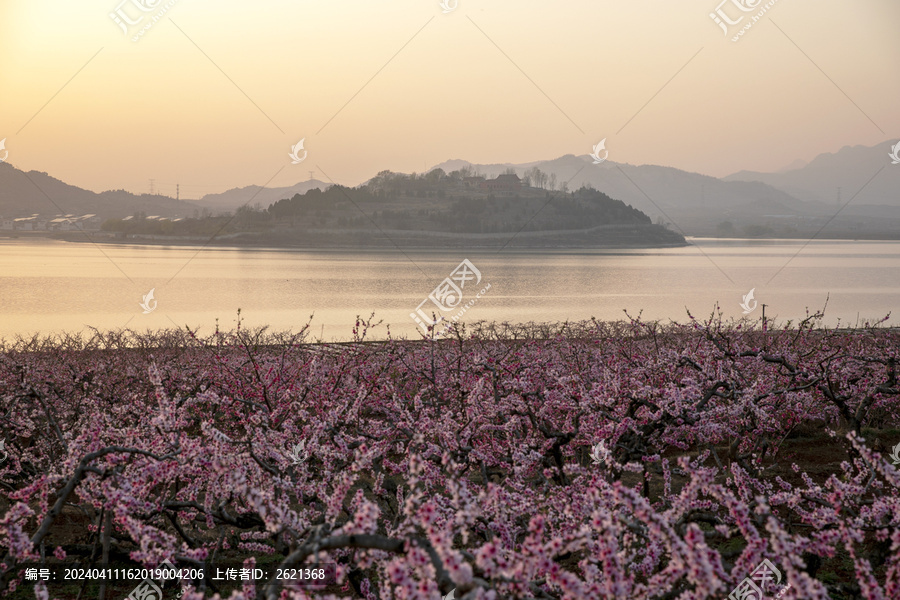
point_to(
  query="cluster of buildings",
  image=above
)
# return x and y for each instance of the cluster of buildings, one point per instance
(58, 223)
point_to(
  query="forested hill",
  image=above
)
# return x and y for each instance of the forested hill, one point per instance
(454, 203)
(435, 209)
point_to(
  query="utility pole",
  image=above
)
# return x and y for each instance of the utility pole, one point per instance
(312, 174)
(152, 186)
(178, 191)
(764, 317)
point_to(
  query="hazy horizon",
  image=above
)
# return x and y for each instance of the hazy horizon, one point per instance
(213, 97)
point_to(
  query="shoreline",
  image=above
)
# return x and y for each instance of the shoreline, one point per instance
(542, 332)
(241, 241)
(233, 241)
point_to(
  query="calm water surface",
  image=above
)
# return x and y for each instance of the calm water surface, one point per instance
(50, 286)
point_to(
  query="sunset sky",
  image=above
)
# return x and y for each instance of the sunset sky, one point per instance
(214, 95)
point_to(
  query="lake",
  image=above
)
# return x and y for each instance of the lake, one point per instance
(51, 286)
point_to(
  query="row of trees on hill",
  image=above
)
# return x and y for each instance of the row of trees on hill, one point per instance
(396, 183)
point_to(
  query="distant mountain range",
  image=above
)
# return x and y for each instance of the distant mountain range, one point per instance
(23, 194)
(849, 169)
(797, 198)
(652, 189)
(254, 194)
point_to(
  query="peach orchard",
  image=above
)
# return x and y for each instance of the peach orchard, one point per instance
(594, 460)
